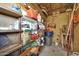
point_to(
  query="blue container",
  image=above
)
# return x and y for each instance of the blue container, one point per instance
(4, 41)
(48, 34)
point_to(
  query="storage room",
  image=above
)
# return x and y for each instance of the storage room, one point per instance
(39, 29)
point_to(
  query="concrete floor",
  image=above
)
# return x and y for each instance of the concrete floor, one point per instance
(53, 51)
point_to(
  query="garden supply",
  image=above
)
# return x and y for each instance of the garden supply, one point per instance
(32, 13)
(41, 26)
(26, 52)
(39, 18)
(34, 36)
(34, 43)
(42, 41)
(24, 13)
(27, 23)
(25, 36)
(16, 8)
(35, 50)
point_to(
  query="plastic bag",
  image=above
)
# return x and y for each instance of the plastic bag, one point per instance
(4, 41)
(32, 13)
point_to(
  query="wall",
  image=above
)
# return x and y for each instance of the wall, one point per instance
(59, 20)
(76, 32)
(76, 38)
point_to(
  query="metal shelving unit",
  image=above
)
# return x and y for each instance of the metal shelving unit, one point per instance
(28, 50)
(9, 12)
(9, 49)
(11, 31)
(12, 47)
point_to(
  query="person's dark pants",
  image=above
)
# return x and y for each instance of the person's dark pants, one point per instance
(48, 41)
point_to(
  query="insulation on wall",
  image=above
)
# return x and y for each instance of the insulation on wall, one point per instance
(76, 31)
(59, 20)
(76, 38)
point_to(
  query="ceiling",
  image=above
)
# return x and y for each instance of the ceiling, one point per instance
(52, 7)
(49, 8)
